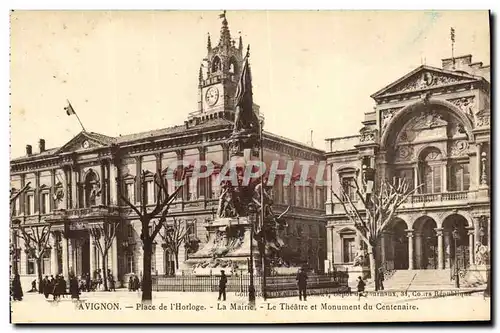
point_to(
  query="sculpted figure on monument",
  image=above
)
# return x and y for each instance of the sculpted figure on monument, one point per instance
(226, 201)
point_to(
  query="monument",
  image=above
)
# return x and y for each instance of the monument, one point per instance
(245, 224)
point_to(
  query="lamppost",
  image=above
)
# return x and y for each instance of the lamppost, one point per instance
(456, 237)
(251, 287)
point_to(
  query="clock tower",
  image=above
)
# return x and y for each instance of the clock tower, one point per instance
(218, 77)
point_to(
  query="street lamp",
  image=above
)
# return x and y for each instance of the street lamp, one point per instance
(251, 287)
(456, 237)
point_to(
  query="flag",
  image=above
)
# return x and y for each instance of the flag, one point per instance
(223, 15)
(244, 89)
(452, 35)
(69, 109)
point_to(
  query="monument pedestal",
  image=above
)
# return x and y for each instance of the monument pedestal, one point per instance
(227, 248)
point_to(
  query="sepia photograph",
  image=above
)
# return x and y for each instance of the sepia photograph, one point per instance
(231, 166)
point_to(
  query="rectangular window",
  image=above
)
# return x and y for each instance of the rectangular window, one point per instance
(459, 177)
(45, 203)
(30, 264)
(214, 186)
(298, 195)
(348, 247)
(192, 188)
(432, 178)
(130, 192)
(349, 188)
(30, 204)
(407, 175)
(46, 263)
(150, 195)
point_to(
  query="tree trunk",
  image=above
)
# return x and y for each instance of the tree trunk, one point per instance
(177, 260)
(104, 275)
(373, 266)
(39, 272)
(147, 285)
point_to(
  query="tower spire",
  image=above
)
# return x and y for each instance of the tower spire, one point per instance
(209, 43)
(240, 43)
(225, 35)
(200, 76)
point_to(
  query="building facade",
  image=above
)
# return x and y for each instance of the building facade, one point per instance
(432, 128)
(80, 184)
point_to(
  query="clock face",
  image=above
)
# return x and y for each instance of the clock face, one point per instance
(85, 144)
(212, 96)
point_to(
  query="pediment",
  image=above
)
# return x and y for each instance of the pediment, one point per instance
(85, 141)
(424, 78)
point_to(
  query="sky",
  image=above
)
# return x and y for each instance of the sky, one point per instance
(133, 71)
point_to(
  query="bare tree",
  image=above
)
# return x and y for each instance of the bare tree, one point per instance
(107, 232)
(174, 235)
(160, 211)
(379, 210)
(35, 238)
(12, 200)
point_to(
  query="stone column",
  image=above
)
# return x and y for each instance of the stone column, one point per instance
(74, 188)
(329, 245)
(415, 178)
(479, 169)
(65, 256)
(418, 250)
(439, 234)
(71, 256)
(52, 190)
(470, 232)
(113, 195)
(444, 184)
(104, 191)
(447, 247)
(54, 269)
(410, 249)
(138, 181)
(37, 195)
(91, 254)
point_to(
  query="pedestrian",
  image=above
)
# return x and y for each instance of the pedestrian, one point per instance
(361, 288)
(56, 288)
(17, 289)
(111, 281)
(46, 286)
(302, 284)
(88, 282)
(130, 283)
(381, 278)
(33, 287)
(74, 287)
(136, 283)
(41, 286)
(222, 285)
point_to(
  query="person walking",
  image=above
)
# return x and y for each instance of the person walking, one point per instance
(46, 286)
(74, 288)
(381, 278)
(111, 281)
(361, 288)
(222, 285)
(17, 289)
(302, 283)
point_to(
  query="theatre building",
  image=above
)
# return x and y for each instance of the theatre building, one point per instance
(78, 185)
(432, 128)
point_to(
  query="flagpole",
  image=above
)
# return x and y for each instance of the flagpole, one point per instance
(76, 114)
(264, 263)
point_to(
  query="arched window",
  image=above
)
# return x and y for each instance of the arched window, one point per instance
(430, 171)
(216, 65)
(233, 68)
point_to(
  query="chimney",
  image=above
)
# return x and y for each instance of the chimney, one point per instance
(29, 150)
(187, 124)
(41, 145)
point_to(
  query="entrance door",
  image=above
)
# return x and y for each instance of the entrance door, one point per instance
(85, 256)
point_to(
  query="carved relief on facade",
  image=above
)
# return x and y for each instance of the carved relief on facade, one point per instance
(386, 116)
(404, 153)
(459, 148)
(425, 80)
(482, 118)
(465, 104)
(367, 135)
(428, 120)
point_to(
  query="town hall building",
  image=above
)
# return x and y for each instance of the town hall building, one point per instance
(80, 184)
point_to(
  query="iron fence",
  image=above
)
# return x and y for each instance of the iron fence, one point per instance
(276, 286)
